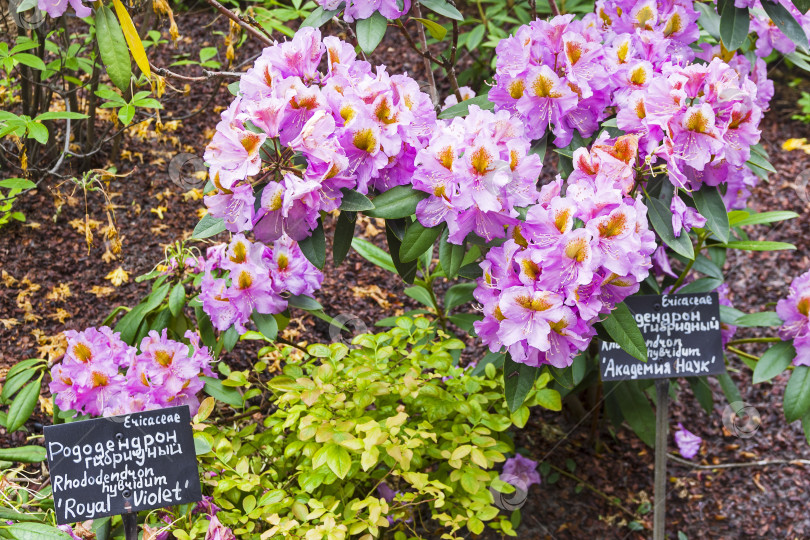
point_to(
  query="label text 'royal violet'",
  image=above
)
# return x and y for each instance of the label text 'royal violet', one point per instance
(119, 464)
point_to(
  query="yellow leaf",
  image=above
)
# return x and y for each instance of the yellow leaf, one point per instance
(133, 40)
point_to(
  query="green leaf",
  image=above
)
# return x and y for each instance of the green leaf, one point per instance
(758, 245)
(785, 22)
(420, 294)
(465, 320)
(207, 227)
(201, 445)
(126, 113)
(703, 392)
(774, 361)
(13, 515)
(802, 5)
(406, 270)
(267, 325)
(730, 389)
(338, 460)
(763, 217)
(549, 399)
(344, 235)
(15, 382)
(621, 326)
(319, 17)
(355, 201)
(17, 184)
(457, 295)
(29, 60)
(417, 240)
(702, 285)
(177, 299)
(637, 411)
(314, 246)
(734, 23)
(518, 380)
(59, 115)
(463, 108)
(37, 131)
(373, 254)
(710, 204)
(113, 48)
(22, 406)
(214, 388)
(796, 402)
(436, 30)
(442, 7)
(661, 219)
(371, 31)
(397, 202)
(35, 531)
(23, 454)
(450, 256)
(764, 318)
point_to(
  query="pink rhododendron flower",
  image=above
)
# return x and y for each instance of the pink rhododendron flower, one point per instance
(477, 170)
(574, 258)
(688, 443)
(795, 314)
(348, 128)
(89, 379)
(218, 531)
(244, 277)
(56, 8)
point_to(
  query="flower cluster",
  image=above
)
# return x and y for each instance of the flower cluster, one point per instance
(576, 256)
(477, 169)
(101, 375)
(350, 127)
(769, 36)
(566, 73)
(244, 276)
(363, 9)
(795, 314)
(701, 119)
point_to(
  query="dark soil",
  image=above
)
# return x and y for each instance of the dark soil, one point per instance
(756, 502)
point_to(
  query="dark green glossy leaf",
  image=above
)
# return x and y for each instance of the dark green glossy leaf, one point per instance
(774, 361)
(518, 380)
(622, 328)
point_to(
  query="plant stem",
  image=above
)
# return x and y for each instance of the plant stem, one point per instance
(235, 18)
(744, 354)
(434, 94)
(554, 9)
(698, 247)
(754, 340)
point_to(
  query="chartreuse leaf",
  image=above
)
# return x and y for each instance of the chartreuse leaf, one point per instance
(774, 361)
(518, 380)
(132, 37)
(796, 402)
(710, 204)
(436, 30)
(113, 48)
(622, 328)
(758, 245)
(762, 218)
(23, 454)
(35, 531)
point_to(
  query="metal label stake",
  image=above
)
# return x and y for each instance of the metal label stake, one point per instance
(661, 433)
(130, 525)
